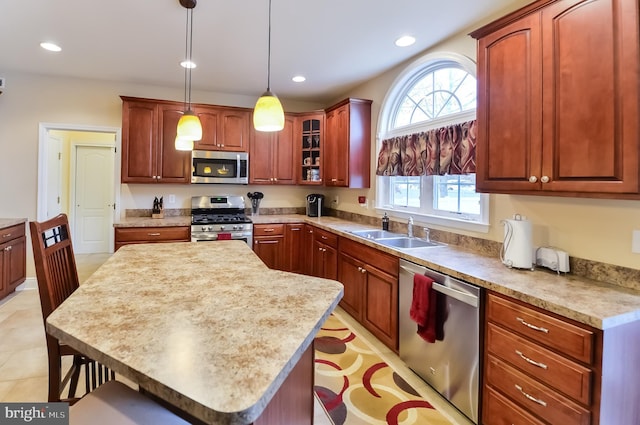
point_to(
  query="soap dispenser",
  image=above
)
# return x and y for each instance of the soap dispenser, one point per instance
(385, 222)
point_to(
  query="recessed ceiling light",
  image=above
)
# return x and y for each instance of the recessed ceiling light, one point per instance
(405, 41)
(298, 78)
(187, 64)
(52, 47)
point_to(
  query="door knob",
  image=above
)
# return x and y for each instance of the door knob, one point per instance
(544, 179)
(533, 179)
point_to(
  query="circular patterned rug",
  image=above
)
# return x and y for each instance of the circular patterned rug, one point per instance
(356, 387)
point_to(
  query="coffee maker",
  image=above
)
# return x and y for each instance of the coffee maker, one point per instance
(314, 204)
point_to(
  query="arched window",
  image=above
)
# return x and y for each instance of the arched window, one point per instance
(435, 91)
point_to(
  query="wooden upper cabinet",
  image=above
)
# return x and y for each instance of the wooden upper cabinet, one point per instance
(310, 144)
(139, 141)
(558, 100)
(223, 129)
(173, 166)
(347, 154)
(148, 143)
(271, 155)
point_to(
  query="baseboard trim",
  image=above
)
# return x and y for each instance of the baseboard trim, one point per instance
(29, 284)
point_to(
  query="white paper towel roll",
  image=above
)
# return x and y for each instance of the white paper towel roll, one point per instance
(517, 248)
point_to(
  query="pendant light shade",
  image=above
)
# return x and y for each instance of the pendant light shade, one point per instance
(183, 144)
(189, 126)
(268, 114)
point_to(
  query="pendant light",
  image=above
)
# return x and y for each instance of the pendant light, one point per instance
(268, 114)
(189, 127)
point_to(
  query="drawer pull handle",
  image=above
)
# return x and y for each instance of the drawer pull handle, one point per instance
(528, 360)
(530, 397)
(153, 234)
(324, 237)
(534, 327)
(269, 230)
(6, 235)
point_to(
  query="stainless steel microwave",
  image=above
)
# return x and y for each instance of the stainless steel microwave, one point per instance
(220, 167)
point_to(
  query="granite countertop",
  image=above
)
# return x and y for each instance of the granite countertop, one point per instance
(587, 301)
(206, 327)
(8, 222)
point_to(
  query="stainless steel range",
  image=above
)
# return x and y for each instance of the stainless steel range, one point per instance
(221, 217)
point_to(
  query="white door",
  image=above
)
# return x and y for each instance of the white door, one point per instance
(94, 196)
(54, 176)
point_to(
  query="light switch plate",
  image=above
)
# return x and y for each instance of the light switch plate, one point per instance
(635, 241)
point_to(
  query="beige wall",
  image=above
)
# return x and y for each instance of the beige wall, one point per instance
(593, 229)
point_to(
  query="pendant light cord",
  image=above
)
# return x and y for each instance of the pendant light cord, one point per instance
(269, 53)
(188, 51)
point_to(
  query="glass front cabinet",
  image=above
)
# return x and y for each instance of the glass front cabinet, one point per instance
(311, 142)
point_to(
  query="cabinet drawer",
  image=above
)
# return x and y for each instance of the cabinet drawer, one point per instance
(569, 339)
(326, 238)
(556, 371)
(385, 262)
(10, 233)
(533, 396)
(151, 234)
(268, 229)
(498, 410)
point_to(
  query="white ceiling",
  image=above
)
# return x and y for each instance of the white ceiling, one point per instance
(336, 44)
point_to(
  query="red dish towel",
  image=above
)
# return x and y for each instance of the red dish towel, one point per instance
(224, 236)
(424, 307)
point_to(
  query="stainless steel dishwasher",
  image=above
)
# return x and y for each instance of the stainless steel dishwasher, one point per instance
(450, 366)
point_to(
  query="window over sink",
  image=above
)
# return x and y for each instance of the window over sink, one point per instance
(435, 91)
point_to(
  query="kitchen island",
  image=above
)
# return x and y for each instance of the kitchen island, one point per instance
(206, 327)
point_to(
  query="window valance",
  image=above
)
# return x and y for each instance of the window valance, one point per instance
(445, 150)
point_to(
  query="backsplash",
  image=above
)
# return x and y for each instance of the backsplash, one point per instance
(609, 273)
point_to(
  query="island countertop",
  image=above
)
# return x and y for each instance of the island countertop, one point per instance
(205, 326)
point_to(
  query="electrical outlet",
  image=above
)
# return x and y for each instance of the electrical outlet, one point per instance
(172, 199)
(362, 199)
(335, 201)
(635, 242)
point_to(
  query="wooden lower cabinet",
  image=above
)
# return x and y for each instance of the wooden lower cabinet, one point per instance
(370, 279)
(269, 245)
(131, 235)
(325, 254)
(296, 252)
(539, 368)
(13, 258)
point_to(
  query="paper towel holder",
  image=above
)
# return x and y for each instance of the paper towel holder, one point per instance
(517, 240)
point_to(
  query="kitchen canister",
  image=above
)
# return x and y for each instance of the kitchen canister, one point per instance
(517, 247)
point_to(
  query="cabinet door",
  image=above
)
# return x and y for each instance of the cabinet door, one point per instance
(16, 263)
(270, 250)
(352, 277)
(590, 96)
(509, 149)
(336, 149)
(139, 141)
(234, 133)
(309, 250)
(330, 263)
(283, 153)
(380, 314)
(210, 120)
(295, 248)
(310, 145)
(260, 158)
(174, 166)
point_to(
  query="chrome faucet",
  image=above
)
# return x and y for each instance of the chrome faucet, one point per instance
(410, 227)
(427, 236)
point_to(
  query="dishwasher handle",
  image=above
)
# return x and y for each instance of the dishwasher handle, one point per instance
(464, 297)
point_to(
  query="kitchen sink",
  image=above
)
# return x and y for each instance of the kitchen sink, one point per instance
(406, 242)
(375, 234)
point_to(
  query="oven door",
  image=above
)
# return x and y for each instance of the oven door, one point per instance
(223, 236)
(219, 167)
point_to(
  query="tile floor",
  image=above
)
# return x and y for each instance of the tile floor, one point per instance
(23, 353)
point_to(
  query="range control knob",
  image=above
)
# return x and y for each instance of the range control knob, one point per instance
(204, 228)
(221, 227)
